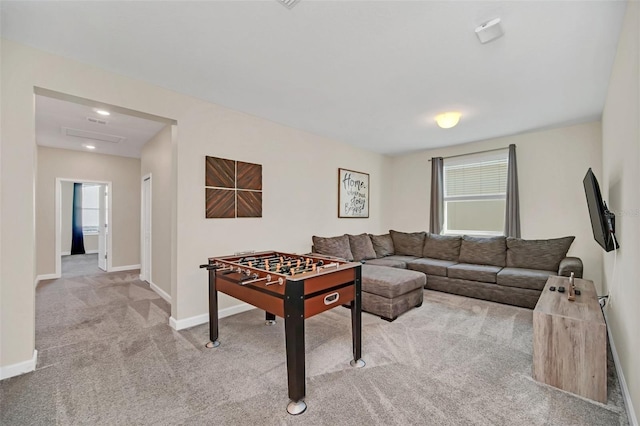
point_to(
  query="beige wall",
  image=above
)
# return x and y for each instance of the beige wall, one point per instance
(124, 175)
(299, 179)
(156, 160)
(66, 221)
(620, 185)
(551, 166)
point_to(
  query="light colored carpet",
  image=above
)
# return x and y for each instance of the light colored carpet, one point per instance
(80, 264)
(107, 356)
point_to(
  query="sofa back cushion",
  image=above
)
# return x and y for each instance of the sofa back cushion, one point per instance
(382, 244)
(333, 246)
(537, 254)
(483, 250)
(443, 247)
(361, 247)
(408, 244)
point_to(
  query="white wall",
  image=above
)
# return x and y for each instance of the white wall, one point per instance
(123, 172)
(551, 166)
(620, 185)
(156, 160)
(299, 179)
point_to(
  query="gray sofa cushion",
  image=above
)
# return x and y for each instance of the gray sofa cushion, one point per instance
(392, 261)
(431, 266)
(537, 254)
(483, 250)
(466, 271)
(445, 247)
(361, 247)
(532, 279)
(390, 282)
(382, 244)
(333, 246)
(408, 243)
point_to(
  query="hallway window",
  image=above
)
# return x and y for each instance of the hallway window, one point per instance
(90, 208)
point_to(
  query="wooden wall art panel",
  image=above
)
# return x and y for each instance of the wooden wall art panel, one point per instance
(220, 203)
(249, 203)
(233, 188)
(249, 176)
(220, 172)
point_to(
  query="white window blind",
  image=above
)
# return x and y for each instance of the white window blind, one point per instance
(472, 176)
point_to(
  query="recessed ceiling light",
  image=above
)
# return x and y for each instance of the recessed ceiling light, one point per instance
(447, 120)
(103, 112)
(90, 146)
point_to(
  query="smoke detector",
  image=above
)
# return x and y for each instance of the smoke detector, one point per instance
(288, 3)
(489, 31)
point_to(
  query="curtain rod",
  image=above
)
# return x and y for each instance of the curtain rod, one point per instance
(471, 153)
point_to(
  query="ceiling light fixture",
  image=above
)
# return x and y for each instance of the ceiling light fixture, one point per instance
(103, 112)
(447, 120)
(90, 146)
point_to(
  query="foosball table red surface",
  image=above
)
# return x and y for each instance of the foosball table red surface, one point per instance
(293, 287)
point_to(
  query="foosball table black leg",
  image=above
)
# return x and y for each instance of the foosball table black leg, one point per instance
(294, 342)
(213, 311)
(356, 323)
(269, 318)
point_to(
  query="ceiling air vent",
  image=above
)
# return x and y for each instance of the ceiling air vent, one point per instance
(96, 120)
(85, 134)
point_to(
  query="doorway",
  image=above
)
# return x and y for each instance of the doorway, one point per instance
(96, 236)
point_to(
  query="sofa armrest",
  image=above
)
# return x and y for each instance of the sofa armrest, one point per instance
(569, 265)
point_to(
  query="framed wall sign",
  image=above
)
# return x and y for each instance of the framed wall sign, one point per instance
(353, 194)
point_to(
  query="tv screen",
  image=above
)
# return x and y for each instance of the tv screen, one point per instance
(602, 220)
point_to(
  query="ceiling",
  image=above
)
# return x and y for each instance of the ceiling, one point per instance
(369, 73)
(117, 134)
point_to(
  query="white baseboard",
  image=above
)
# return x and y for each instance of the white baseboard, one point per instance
(45, 277)
(631, 414)
(160, 292)
(204, 318)
(124, 268)
(65, 253)
(19, 368)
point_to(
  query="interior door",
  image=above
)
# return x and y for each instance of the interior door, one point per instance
(102, 227)
(145, 267)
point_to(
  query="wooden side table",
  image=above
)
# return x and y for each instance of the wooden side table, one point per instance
(570, 340)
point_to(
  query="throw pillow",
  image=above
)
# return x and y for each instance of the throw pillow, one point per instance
(333, 246)
(443, 247)
(483, 250)
(361, 247)
(382, 244)
(537, 254)
(408, 244)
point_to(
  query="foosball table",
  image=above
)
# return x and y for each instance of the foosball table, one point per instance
(292, 287)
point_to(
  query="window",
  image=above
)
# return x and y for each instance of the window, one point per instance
(475, 188)
(90, 208)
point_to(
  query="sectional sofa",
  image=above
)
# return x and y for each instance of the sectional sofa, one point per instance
(397, 265)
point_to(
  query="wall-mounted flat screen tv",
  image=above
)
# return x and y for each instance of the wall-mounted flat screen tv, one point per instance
(602, 220)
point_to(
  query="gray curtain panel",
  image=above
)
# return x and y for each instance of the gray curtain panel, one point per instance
(436, 218)
(512, 215)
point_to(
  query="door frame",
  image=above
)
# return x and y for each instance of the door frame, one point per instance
(58, 220)
(143, 216)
